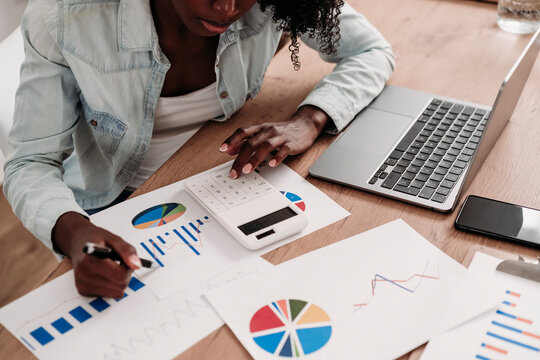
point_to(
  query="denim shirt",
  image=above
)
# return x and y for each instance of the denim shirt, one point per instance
(93, 74)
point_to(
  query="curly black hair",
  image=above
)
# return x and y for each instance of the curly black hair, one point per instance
(316, 18)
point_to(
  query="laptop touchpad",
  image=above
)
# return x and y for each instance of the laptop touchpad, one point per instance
(375, 131)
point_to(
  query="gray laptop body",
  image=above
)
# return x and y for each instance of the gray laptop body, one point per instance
(421, 148)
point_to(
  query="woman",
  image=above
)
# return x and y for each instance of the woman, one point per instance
(110, 89)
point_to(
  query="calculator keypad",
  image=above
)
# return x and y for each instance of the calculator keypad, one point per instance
(219, 192)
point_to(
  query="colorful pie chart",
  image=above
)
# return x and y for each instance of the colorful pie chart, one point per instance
(158, 215)
(290, 328)
(295, 199)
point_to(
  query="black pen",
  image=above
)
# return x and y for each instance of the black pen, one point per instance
(104, 252)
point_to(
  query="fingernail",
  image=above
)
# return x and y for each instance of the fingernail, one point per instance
(223, 147)
(247, 168)
(134, 259)
(233, 174)
(272, 163)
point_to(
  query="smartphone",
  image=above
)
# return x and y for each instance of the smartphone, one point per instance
(500, 219)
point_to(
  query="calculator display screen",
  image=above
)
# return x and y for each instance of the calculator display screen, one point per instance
(267, 220)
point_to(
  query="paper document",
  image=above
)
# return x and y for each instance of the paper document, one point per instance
(510, 331)
(169, 227)
(55, 322)
(376, 295)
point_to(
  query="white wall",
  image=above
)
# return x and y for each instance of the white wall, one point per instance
(10, 15)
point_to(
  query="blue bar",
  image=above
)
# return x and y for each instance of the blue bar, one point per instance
(151, 254)
(507, 303)
(506, 314)
(42, 336)
(200, 222)
(194, 228)
(117, 300)
(135, 284)
(513, 341)
(507, 327)
(157, 247)
(161, 239)
(167, 234)
(206, 218)
(27, 343)
(186, 242)
(62, 325)
(187, 231)
(99, 304)
(482, 357)
(80, 314)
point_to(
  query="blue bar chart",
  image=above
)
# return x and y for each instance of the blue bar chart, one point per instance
(187, 235)
(510, 332)
(47, 333)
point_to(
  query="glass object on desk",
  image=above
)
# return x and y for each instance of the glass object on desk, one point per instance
(519, 16)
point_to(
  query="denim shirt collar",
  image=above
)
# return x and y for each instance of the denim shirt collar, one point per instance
(136, 30)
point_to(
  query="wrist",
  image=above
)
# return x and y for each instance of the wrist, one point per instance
(317, 117)
(64, 234)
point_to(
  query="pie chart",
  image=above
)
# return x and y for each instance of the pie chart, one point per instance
(290, 328)
(295, 199)
(158, 215)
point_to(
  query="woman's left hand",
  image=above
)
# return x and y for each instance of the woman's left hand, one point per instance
(293, 136)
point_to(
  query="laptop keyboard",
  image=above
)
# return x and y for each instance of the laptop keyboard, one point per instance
(431, 157)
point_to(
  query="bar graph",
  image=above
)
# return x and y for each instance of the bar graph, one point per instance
(46, 333)
(187, 235)
(510, 333)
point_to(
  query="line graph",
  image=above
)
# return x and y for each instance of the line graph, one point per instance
(150, 333)
(186, 310)
(399, 283)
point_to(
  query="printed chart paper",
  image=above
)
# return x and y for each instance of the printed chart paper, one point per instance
(169, 226)
(55, 322)
(376, 295)
(510, 331)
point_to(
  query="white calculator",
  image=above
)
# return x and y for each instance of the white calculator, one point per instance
(249, 207)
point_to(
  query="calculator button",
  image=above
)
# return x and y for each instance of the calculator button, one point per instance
(243, 198)
(202, 193)
(209, 183)
(256, 179)
(218, 208)
(255, 193)
(238, 193)
(248, 187)
(193, 185)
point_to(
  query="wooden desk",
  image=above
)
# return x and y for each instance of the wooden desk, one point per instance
(449, 47)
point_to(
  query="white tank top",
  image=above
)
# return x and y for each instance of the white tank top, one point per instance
(176, 120)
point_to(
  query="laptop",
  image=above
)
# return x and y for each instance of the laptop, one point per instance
(421, 148)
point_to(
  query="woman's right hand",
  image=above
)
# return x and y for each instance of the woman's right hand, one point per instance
(93, 276)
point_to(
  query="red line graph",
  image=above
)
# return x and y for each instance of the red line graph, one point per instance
(374, 281)
(397, 282)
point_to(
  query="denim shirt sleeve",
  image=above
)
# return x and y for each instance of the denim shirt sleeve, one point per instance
(364, 61)
(46, 114)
